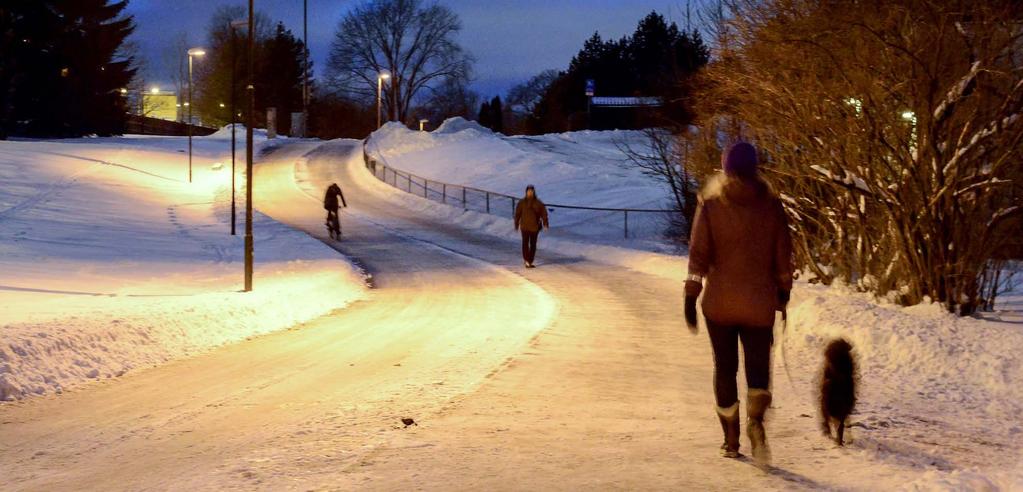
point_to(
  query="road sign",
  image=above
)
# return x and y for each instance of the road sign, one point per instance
(591, 87)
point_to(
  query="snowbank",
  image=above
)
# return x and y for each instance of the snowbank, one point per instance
(110, 261)
(587, 168)
(224, 132)
(459, 124)
(931, 384)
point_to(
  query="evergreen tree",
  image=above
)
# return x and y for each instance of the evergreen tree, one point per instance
(484, 116)
(63, 68)
(496, 115)
(279, 83)
(657, 60)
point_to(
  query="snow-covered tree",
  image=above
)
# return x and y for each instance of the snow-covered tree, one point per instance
(892, 130)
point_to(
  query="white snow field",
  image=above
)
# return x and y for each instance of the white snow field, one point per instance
(110, 260)
(586, 168)
(575, 375)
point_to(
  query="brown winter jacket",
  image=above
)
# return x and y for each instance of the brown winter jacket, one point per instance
(530, 213)
(741, 246)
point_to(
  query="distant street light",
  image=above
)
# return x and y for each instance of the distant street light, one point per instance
(191, 53)
(155, 90)
(381, 77)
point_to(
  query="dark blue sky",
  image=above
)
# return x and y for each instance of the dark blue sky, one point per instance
(511, 39)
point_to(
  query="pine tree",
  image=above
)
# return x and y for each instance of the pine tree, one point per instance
(484, 116)
(279, 83)
(496, 115)
(278, 70)
(65, 70)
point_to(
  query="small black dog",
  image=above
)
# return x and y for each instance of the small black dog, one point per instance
(838, 387)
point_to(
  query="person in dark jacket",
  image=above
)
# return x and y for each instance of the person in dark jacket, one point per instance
(741, 248)
(530, 217)
(330, 203)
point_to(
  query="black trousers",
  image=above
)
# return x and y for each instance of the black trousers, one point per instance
(756, 347)
(529, 245)
(333, 220)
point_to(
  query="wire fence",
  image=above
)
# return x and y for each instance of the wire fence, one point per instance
(644, 221)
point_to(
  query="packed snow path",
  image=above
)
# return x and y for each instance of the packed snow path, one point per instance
(575, 375)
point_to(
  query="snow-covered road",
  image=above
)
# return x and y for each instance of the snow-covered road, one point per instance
(575, 375)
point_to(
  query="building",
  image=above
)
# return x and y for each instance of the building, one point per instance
(162, 105)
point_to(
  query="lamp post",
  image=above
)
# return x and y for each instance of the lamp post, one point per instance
(381, 77)
(248, 147)
(191, 53)
(238, 24)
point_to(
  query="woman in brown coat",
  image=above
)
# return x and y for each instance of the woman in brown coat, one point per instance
(741, 248)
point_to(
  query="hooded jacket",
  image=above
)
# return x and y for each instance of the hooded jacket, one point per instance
(530, 214)
(741, 245)
(330, 199)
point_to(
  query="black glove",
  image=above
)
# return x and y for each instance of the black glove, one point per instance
(690, 312)
(783, 299)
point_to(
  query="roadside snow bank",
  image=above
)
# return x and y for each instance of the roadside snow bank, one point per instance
(930, 383)
(587, 168)
(110, 261)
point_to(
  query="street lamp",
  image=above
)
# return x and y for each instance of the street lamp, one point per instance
(381, 77)
(234, 25)
(249, 122)
(191, 53)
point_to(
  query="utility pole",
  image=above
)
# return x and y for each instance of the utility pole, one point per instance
(234, 118)
(249, 123)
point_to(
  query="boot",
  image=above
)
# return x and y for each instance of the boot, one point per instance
(758, 402)
(729, 417)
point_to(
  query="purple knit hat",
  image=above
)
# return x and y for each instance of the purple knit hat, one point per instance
(740, 160)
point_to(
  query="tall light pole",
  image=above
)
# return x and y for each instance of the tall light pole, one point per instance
(249, 122)
(191, 53)
(381, 77)
(238, 24)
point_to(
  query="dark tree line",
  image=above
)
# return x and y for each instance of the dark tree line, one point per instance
(62, 68)
(658, 60)
(492, 114)
(278, 78)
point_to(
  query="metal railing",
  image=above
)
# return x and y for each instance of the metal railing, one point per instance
(479, 200)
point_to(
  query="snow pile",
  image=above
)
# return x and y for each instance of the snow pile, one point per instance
(587, 168)
(224, 132)
(459, 124)
(110, 260)
(928, 380)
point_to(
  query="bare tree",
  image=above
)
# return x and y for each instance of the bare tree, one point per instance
(523, 98)
(412, 40)
(663, 157)
(175, 58)
(893, 131)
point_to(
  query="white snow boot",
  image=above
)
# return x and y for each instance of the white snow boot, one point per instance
(756, 407)
(729, 417)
